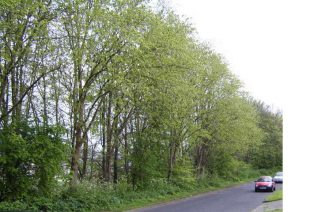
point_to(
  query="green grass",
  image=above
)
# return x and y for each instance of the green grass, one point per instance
(278, 195)
(275, 210)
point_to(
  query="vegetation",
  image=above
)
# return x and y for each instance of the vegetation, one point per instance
(107, 103)
(278, 195)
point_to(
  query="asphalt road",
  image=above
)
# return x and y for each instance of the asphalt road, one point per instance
(236, 199)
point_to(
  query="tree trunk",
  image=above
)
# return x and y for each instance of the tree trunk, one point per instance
(78, 144)
(201, 157)
(92, 161)
(78, 127)
(76, 155)
(45, 118)
(116, 144)
(126, 152)
(85, 156)
(103, 122)
(109, 140)
(4, 101)
(115, 161)
(172, 155)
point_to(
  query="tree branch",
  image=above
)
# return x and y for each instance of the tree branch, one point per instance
(26, 92)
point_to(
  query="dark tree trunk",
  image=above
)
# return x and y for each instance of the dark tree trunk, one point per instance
(78, 131)
(103, 122)
(173, 147)
(126, 152)
(109, 140)
(115, 161)
(85, 156)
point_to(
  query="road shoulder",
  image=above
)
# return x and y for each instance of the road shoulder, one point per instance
(269, 206)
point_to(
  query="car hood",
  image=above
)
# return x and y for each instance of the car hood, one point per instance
(278, 177)
(263, 183)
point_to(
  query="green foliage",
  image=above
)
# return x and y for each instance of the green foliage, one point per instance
(147, 162)
(136, 80)
(269, 153)
(96, 196)
(184, 174)
(14, 206)
(31, 159)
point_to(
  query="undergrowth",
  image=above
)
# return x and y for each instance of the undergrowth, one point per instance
(96, 196)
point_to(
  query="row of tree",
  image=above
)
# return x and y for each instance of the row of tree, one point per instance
(119, 90)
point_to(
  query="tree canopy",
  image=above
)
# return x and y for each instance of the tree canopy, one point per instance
(117, 91)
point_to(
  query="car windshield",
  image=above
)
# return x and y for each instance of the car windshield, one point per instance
(264, 179)
(279, 174)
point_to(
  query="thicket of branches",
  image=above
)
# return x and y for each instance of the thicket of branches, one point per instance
(119, 91)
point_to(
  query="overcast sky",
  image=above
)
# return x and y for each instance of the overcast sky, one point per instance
(252, 35)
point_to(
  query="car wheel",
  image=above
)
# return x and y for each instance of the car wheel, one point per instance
(256, 190)
(272, 189)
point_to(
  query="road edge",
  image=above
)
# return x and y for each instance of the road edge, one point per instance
(190, 195)
(269, 206)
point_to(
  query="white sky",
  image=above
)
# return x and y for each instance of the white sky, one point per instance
(272, 46)
(251, 35)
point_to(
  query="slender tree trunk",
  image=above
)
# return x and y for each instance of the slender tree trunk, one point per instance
(109, 140)
(4, 98)
(45, 115)
(201, 159)
(115, 161)
(56, 98)
(172, 155)
(4, 86)
(103, 123)
(92, 161)
(85, 155)
(126, 152)
(116, 145)
(170, 161)
(21, 89)
(13, 93)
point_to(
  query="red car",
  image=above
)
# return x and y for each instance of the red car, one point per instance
(265, 183)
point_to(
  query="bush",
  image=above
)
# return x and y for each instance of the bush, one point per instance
(30, 160)
(13, 206)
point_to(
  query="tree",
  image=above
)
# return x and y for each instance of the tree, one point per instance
(23, 32)
(269, 153)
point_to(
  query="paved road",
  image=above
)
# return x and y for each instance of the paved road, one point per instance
(236, 199)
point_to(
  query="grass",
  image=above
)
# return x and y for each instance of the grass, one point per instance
(275, 210)
(278, 195)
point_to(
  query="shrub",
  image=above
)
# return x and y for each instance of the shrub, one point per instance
(30, 160)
